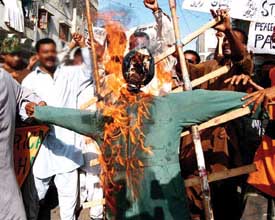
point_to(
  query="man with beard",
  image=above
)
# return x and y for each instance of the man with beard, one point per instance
(12, 99)
(220, 144)
(139, 137)
(11, 53)
(59, 158)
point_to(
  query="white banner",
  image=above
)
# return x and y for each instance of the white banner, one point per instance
(250, 10)
(260, 38)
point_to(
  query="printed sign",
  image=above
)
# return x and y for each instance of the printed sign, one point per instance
(260, 38)
(27, 143)
(250, 10)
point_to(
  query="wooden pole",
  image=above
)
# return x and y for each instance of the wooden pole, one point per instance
(188, 39)
(214, 74)
(185, 75)
(222, 119)
(195, 131)
(222, 175)
(93, 51)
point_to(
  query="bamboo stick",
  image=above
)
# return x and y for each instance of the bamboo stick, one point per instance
(195, 131)
(93, 51)
(184, 70)
(201, 30)
(188, 39)
(217, 73)
(221, 119)
(221, 175)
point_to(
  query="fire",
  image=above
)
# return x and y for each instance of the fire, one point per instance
(122, 143)
(123, 138)
(113, 58)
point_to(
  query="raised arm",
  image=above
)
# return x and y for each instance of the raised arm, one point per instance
(165, 32)
(237, 47)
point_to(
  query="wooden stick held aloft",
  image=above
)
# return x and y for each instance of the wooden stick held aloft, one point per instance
(93, 51)
(188, 39)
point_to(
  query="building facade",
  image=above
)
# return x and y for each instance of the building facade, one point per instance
(37, 19)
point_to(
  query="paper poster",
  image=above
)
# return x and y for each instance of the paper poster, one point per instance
(250, 10)
(259, 40)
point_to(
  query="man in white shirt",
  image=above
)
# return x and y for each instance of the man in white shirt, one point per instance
(59, 157)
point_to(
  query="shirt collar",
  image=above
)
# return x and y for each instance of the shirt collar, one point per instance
(38, 70)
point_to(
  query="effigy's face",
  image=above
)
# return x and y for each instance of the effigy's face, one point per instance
(137, 67)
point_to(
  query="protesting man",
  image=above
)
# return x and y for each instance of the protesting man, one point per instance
(59, 157)
(12, 99)
(11, 52)
(220, 148)
(192, 57)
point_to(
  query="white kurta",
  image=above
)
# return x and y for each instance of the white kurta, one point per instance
(59, 152)
(12, 97)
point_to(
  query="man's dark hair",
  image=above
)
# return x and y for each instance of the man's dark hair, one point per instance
(44, 41)
(78, 52)
(198, 58)
(245, 37)
(141, 34)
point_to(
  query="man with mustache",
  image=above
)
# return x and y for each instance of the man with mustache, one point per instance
(59, 158)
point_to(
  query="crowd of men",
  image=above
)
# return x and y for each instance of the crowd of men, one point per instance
(61, 80)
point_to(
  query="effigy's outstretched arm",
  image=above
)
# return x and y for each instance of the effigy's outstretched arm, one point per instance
(199, 106)
(83, 122)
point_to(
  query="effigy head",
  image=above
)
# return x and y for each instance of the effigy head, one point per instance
(138, 69)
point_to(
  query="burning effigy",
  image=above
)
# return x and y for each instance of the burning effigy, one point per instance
(139, 133)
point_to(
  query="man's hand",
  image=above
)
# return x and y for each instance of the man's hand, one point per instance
(72, 44)
(225, 24)
(220, 36)
(245, 79)
(262, 97)
(79, 39)
(30, 107)
(32, 61)
(151, 4)
(258, 98)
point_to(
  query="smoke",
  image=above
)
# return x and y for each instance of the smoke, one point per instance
(118, 12)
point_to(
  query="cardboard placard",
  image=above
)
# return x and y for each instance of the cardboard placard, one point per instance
(27, 143)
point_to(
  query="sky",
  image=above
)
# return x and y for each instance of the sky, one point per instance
(137, 14)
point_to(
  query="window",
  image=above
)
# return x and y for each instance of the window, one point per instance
(64, 31)
(43, 19)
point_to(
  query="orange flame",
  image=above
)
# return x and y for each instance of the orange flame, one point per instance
(124, 132)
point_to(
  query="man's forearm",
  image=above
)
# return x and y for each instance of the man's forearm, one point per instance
(164, 27)
(237, 47)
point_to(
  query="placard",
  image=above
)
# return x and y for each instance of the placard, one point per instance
(259, 40)
(27, 142)
(250, 10)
